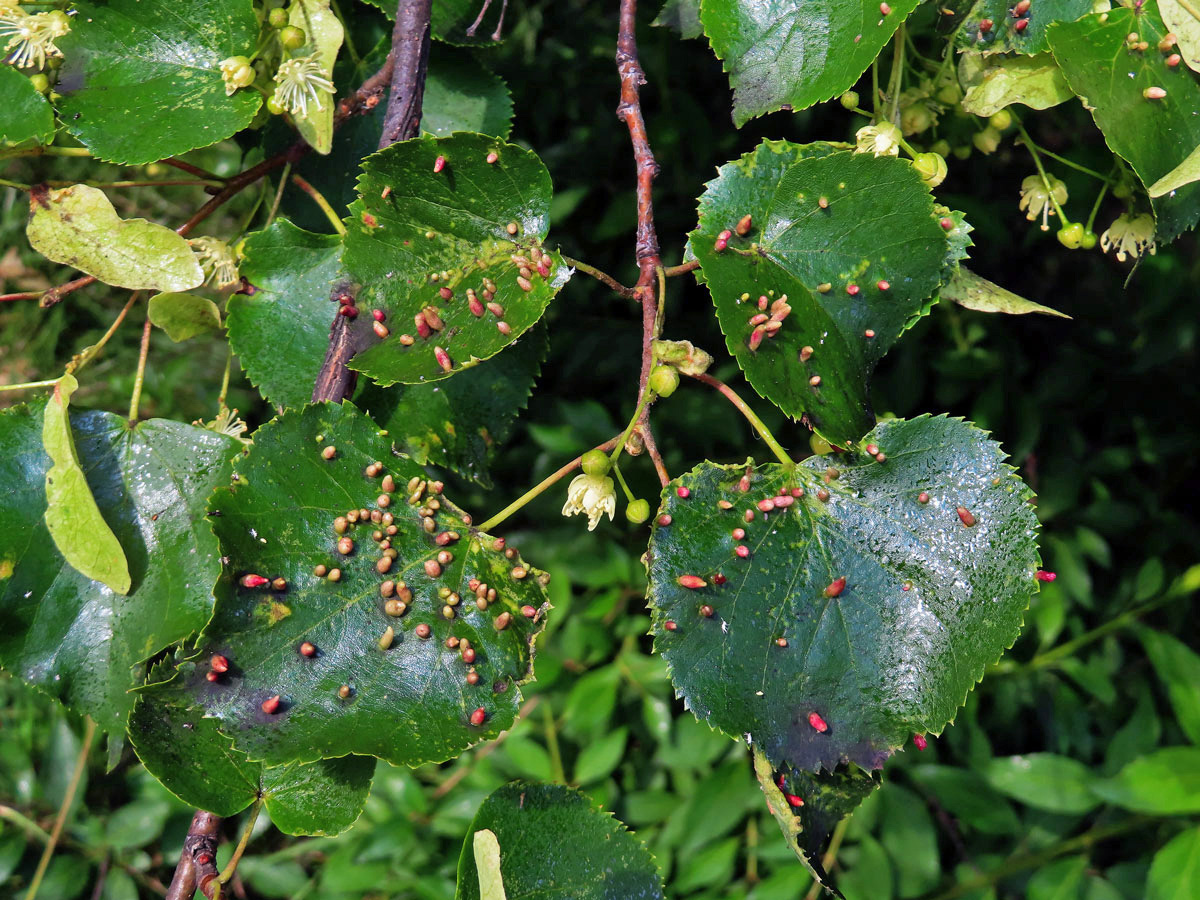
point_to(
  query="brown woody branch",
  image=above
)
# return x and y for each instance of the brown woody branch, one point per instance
(629, 111)
(197, 867)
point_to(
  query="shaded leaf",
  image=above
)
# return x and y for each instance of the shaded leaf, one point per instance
(140, 82)
(462, 95)
(1178, 666)
(682, 16)
(1153, 136)
(1058, 880)
(1182, 175)
(975, 292)
(927, 603)
(1165, 782)
(1003, 35)
(420, 239)
(407, 699)
(1175, 871)
(25, 116)
(77, 226)
(73, 637)
(72, 517)
(184, 316)
(458, 423)
(555, 845)
(876, 236)
(1033, 81)
(281, 331)
(789, 54)
(1046, 781)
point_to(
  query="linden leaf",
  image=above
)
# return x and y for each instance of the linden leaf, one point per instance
(790, 54)
(1004, 31)
(72, 516)
(555, 845)
(78, 227)
(184, 316)
(1155, 136)
(140, 81)
(828, 615)
(448, 246)
(853, 242)
(324, 32)
(325, 665)
(1033, 81)
(1183, 174)
(1181, 19)
(25, 116)
(75, 638)
(193, 760)
(972, 291)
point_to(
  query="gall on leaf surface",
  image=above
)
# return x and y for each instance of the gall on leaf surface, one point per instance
(926, 605)
(1110, 76)
(78, 226)
(407, 699)
(1006, 35)
(189, 755)
(790, 54)
(555, 845)
(72, 637)
(141, 82)
(419, 239)
(823, 224)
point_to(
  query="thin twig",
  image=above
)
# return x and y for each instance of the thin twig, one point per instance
(197, 867)
(765, 433)
(190, 169)
(682, 269)
(64, 810)
(601, 276)
(410, 57)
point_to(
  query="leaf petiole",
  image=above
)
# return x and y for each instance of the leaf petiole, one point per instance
(751, 417)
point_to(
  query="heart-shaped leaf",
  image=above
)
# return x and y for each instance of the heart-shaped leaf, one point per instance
(851, 240)
(73, 637)
(193, 760)
(827, 615)
(365, 658)
(991, 27)
(141, 82)
(790, 54)
(447, 246)
(1153, 135)
(555, 845)
(77, 226)
(25, 115)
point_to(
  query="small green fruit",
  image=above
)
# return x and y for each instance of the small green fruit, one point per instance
(596, 463)
(1001, 120)
(849, 100)
(273, 107)
(931, 167)
(941, 148)
(963, 151)
(278, 17)
(40, 82)
(949, 93)
(664, 380)
(916, 119)
(1089, 240)
(1071, 236)
(637, 512)
(988, 140)
(292, 37)
(819, 445)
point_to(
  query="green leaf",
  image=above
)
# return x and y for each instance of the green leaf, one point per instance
(184, 316)
(281, 331)
(1163, 783)
(416, 235)
(1058, 880)
(462, 95)
(1153, 136)
(458, 423)
(1003, 36)
(487, 862)
(26, 116)
(1033, 81)
(556, 846)
(1178, 666)
(1056, 784)
(682, 16)
(72, 517)
(906, 830)
(77, 226)
(1184, 24)
(73, 637)
(927, 604)
(407, 699)
(967, 797)
(140, 82)
(1175, 871)
(599, 758)
(324, 32)
(973, 291)
(786, 54)
(191, 758)
(1182, 175)
(877, 226)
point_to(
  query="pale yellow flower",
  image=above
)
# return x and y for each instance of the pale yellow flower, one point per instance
(301, 81)
(593, 496)
(30, 39)
(1130, 235)
(1037, 201)
(881, 140)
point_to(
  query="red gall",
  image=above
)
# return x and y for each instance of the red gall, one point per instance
(528, 611)
(479, 717)
(742, 550)
(852, 290)
(966, 516)
(815, 720)
(1043, 575)
(253, 581)
(308, 649)
(719, 579)
(439, 164)
(664, 520)
(219, 663)
(378, 314)
(670, 625)
(212, 676)
(923, 497)
(919, 741)
(836, 587)
(683, 493)
(443, 359)
(692, 582)
(271, 705)
(706, 611)
(491, 157)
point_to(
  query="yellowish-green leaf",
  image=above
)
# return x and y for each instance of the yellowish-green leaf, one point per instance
(487, 861)
(74, 520)
(975, 292)
(77, 226)
(1035, 81)
(1184, 173)
(1181, 18)
(183, 316)
(325, 33)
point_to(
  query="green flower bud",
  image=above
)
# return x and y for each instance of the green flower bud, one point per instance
(1089, 240)
(819, 445)
(664, 380)
(1001, 120)
(277, 17)
(40, 82)
(988, 140)
(941, 148)
(849, 99)
(962, 151)
(637, 512)
(596, 463)
(273, 107)
(916, 119)
(931, 167)
(292, 37)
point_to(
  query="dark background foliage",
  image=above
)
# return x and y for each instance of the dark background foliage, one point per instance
(1097, 412)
